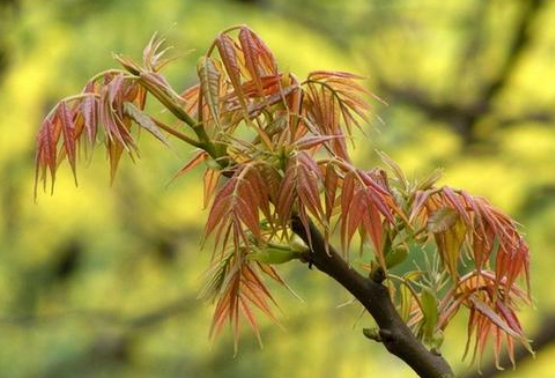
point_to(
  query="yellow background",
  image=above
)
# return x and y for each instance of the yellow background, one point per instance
(101, 281)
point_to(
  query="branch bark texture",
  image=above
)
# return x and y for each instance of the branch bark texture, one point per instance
(394, 333)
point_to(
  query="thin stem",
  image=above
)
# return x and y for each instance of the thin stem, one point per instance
(207, 143)
(178, 135)
(170, 102)
(408, 286)
(110, 71)
(375, 297)
(69, 99)
(225, 31)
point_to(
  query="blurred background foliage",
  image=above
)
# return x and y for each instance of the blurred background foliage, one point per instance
(103, 282)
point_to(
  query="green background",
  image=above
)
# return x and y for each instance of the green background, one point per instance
(102, 281)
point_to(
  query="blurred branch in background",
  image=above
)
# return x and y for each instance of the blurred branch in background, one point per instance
(116, 347)
(111, 347)
(178, 307)
(461, 117)
(118, 333)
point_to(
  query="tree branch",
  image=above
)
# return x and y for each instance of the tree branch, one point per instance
(395, 335)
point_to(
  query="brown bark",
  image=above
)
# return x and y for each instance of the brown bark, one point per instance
(374, 296)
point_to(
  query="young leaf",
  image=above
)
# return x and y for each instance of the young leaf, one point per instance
(430, 312)
(197, 158)
(46, 157)
(236, 207)
(442, 220)
(66, 116)
(210, 83)
(89, 111)
(396, 256)
(300, 185)
(251, 53)
(144, 121)
(228, 52)
(274, 255)
(397, 171)
(449, 244)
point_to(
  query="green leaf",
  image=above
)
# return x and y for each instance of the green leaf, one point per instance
(429, 310)
(449, 244)
(144, 121)
(396, 256)
(430, 181)
(297, 244)
(406, 294)
(274, 255)
(210, 81)
(405, 302)
(397, 171)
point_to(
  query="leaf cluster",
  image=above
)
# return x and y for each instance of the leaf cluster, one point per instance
(275, 147)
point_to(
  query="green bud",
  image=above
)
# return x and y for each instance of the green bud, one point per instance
(212, 164)
(437, 339)
(396, 256)
(429, 309)
(372, 333)
(271, 255)
(298, 245)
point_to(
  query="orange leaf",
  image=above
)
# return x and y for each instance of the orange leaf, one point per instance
(66, 116)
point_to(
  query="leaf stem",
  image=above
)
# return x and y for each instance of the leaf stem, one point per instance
(408, 286)
(172, 104)
(375, 297)
(178, 134)
(110, 71)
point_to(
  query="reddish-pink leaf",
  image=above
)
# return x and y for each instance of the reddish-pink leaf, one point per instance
(210, 181)
(228, 53)
(66, 116)
(197, 158)
(46, 153)
(418, 204)
(89, 111)
(265, 56)
(321, 74)
(331, 183)
(251, 54)
(457, 203)
(485, 310)
(115, 149)
(287, 195)
(311, 141)
(373, 226)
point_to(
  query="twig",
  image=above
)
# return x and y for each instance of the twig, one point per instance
(396, 336)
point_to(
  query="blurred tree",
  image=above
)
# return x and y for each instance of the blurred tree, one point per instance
(451, 104)
(7, 10)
